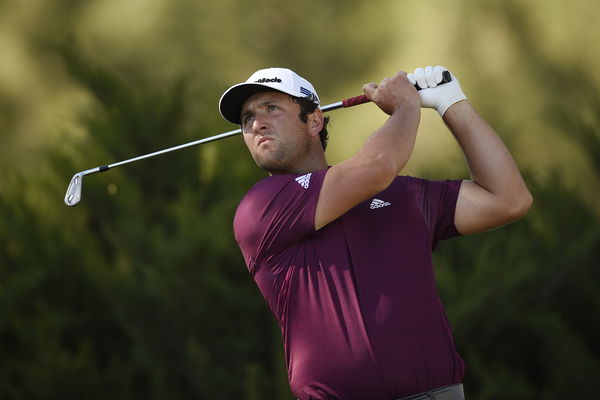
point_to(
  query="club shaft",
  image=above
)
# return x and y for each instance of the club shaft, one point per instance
(331, 107)
(170, 149)
(353, 101)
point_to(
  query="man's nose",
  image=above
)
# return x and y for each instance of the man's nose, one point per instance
(259, 123)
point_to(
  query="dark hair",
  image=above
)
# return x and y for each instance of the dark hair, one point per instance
(308, 107)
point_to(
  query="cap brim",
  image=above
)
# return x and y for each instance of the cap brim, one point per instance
(233, 99)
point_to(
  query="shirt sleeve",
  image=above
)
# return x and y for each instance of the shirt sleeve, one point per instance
(438, 205)
(276, 213)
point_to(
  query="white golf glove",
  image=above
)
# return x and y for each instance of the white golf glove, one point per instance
(433, 96)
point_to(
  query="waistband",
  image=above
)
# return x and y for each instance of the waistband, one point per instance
(451, 392)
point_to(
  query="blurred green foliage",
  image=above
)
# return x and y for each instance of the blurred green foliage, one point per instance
(141, 292)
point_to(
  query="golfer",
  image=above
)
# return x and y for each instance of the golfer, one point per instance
(342, 253)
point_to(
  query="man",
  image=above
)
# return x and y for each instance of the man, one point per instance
(342, 254)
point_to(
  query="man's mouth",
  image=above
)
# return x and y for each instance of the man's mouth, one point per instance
(262, 140)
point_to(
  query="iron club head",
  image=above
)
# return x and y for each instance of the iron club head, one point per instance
(73, 194)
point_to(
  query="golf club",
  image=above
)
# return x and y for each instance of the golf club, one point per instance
(73, 195)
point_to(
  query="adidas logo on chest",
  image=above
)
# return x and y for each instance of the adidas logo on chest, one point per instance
(377, 203)
(304, 180)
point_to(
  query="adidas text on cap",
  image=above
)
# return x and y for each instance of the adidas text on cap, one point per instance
(271, 79)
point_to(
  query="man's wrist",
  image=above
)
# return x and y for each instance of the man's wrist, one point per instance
(449, 102)
(454, 111)
(408, 104)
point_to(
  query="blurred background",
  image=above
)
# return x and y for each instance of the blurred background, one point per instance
(141, 292)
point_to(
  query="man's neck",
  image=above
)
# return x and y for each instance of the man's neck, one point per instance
(313, 165)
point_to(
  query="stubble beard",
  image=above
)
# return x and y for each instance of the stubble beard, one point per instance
(285, 159)
(273, 163)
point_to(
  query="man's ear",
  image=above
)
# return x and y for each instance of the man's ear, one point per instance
(315, 122)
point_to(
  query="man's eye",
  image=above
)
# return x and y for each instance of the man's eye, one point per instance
(272, 107)
(246, 120)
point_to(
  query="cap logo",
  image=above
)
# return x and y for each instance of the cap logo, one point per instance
(267, 80)
(309, 95)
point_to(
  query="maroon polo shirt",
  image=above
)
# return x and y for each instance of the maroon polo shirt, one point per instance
(356, 301)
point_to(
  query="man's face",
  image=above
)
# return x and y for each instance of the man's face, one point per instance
(273, 132)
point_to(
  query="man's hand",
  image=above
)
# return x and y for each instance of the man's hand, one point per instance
(392, 93)
(433, 96)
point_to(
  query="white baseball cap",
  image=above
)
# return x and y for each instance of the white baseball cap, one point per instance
(271, 79)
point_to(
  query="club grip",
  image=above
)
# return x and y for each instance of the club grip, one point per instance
(446, 77)
(354, 101)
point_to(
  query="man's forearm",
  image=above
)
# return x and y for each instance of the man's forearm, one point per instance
(388, 149)
(393, 142)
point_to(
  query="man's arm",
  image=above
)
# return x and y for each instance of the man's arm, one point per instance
(497, 193)
(382, 156)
